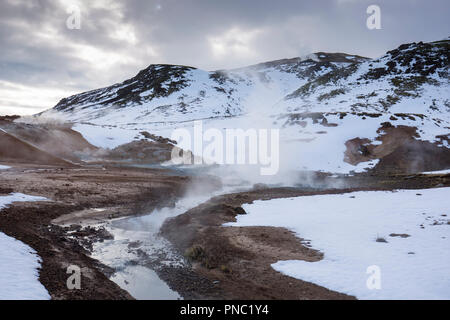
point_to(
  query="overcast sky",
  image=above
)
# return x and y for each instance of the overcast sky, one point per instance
(42, 61)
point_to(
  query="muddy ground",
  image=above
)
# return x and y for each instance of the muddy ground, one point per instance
(73, 190)
(225, 263)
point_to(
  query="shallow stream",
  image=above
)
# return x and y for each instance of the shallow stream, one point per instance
(138, 251)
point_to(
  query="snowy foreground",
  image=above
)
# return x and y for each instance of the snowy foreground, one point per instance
(19, 262)
(410, 260)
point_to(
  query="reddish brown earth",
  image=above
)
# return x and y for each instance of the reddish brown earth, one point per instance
(399, 151)
(41, 143)
(56, 139)
(15, 150)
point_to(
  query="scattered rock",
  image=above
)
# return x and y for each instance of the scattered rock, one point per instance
(381, 239)
(401, 235)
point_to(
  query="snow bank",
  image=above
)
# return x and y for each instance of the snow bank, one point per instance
(447, 171)
(18, 197)
(4, 167)
(18, 271)
(414, 263)
(107, 137)
(19, 263)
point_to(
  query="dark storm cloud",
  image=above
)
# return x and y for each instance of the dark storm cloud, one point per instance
(117, 38)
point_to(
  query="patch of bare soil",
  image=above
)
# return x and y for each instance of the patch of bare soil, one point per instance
(141, 151)
(56, 139)
(135, 191)
(415, 156)
(15, 150)
(150, 149)
(399, 151)
(6, 119)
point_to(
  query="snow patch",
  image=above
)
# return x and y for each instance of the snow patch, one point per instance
(19, 263)
(447, 171)
(414, 261)
(18, 197)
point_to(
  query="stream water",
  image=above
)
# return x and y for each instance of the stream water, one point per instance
(138, 251)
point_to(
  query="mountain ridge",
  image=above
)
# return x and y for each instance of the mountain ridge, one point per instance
(164, 72)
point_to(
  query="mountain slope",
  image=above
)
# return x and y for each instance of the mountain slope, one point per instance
(178, 93)
(337, 112)
(55, 139)
(15, 150)
(391, 83)
(374, 109)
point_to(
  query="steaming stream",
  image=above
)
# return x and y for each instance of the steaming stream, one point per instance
(137, 249)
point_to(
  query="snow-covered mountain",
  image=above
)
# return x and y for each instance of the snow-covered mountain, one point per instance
(179, 93)
(338, 112)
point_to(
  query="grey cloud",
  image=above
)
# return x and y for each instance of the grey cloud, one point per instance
(118, 38)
